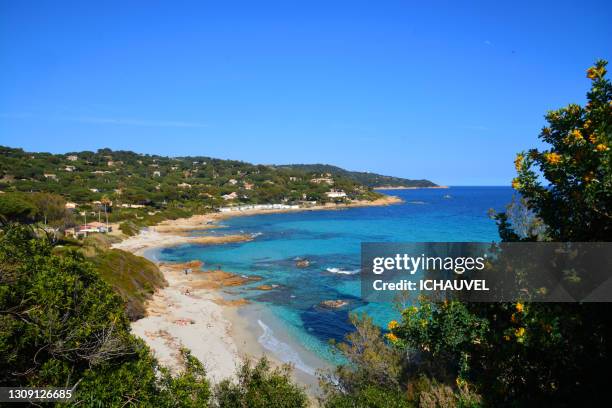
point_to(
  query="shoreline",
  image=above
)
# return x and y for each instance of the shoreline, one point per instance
(192, 312)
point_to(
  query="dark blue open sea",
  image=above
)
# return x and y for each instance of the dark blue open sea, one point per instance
(288, 320)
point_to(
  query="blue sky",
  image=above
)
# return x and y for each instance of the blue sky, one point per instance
(437, 90)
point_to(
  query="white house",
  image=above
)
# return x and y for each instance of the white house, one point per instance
(335, 194)
(230, 196)
(72, 157)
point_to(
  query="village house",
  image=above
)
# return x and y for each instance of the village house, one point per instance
(72, 157)
(184, 185)
(124, 205)
(230, 196)
(50, 176)
(156, 174)
(321, 180)
(70, 168)
(233, 182)
(70, 205)
(248, 186)
(335, 194)
(89, 228)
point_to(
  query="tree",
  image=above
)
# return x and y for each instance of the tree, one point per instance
(576, 203)
(260, 386)
(14, 207)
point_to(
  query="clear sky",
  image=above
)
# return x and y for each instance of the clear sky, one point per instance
(419, 89)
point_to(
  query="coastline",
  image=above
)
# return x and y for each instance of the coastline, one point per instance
(192, 312)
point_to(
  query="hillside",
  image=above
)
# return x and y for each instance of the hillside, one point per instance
(371, 180)
(128, 178)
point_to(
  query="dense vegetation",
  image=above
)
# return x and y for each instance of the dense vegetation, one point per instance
(368, 179)
(457, 354)
(156, 181)
(61, 324)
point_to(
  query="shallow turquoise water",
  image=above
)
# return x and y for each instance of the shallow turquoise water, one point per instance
(331, 240)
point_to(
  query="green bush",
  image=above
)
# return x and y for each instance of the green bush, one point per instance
(260, 386)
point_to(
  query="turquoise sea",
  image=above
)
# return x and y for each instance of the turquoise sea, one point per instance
(288, 320)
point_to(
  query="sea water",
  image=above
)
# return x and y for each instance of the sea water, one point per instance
(290, 318)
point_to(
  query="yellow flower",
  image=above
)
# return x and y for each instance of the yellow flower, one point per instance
(516, 184)
(392, 324)
(507, 338)
(520, 332)
(593, 138)
(587, 124)
(391, 337)
(577, 135)
(513, 318)
(592, 73)
(520, 307)
(601, 147)
(518, 162)
(546, 131)
(460, 382)
(552, 158)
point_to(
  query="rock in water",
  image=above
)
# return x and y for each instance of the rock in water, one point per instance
(333, 304)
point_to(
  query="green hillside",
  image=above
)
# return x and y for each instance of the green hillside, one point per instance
(371, 180)
(125, 177)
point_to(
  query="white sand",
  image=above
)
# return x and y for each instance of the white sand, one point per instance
(176, 319)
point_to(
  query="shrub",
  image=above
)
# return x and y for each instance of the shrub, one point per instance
(260, 386)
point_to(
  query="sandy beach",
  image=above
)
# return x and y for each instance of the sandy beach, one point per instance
(191, 311)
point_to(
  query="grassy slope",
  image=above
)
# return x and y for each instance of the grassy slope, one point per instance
(133, 277)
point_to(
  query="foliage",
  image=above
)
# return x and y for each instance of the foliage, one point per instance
(260, 386)
(112, 181)
(61, 325)
(365, 178)
(133, 277)
(14, 207)
(576, 204)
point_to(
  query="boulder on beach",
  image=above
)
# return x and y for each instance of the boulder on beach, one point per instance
(333, 304)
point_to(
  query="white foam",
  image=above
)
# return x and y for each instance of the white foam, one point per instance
(282, 350)
(343, 271)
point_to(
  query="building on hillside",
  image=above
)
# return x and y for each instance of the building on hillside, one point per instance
(230, 196)
(257, 207)
(184, 185)
(70, 205)
(69, 168)
(89, 228)
(156, 174)
(248, 186)
(50, 176)
(125, 205)
(94, 190)
(72, 157)
(335, 194)
(321, 180)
